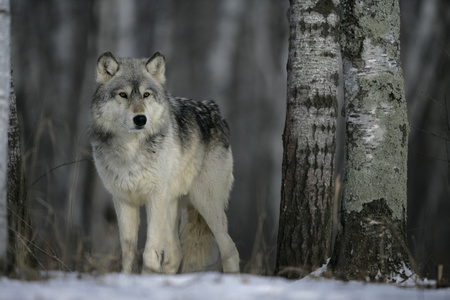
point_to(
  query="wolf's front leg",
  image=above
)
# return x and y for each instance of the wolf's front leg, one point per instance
(128, 220)
(163, 249)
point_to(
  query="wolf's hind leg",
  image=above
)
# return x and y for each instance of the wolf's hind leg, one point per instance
(128, 220)
(228, 251)
(213, 213)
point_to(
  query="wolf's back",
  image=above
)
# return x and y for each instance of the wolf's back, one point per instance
(204, 118)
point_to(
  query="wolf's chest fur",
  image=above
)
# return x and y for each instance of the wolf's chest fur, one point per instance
(131, 166)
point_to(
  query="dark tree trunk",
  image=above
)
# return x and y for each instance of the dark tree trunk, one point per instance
(304, 236)
(19, 224)
(5, 76)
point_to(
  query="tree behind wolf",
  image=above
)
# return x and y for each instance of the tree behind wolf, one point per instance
(5, 75)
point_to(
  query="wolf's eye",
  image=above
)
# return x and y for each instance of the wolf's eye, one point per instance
(123, 95)
(146, 94)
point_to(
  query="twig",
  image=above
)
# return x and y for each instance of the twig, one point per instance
(57, 167)
(430, 133)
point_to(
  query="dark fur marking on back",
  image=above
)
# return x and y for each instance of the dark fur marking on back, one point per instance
(203, 116)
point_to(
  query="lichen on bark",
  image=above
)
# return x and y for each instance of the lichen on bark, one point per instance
(377, 129)
(375, 167)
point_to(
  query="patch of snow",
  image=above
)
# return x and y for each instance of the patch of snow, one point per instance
(320, 271)
(199, 286)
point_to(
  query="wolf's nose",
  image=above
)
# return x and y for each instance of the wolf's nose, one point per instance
(140, 120)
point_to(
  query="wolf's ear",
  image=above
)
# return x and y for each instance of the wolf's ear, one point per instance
(156, 66)
(107, 67)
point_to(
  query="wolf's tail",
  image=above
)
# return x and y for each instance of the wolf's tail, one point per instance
(200, 250)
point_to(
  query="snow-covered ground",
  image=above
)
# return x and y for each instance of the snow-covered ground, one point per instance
(200, 286)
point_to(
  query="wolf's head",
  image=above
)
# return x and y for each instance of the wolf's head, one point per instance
(130, 95)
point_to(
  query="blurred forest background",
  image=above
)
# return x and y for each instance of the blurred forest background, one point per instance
(234, 52)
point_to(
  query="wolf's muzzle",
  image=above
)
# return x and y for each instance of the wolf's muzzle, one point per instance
(140, 120)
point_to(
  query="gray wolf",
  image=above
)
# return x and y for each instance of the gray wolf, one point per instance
(170, 154)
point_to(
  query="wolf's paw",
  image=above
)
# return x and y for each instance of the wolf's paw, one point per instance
(231, 264)
(171, 262)
(152, 261)
(129, 268)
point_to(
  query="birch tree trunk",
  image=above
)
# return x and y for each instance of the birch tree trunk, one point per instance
(372, 241)
(304, 235)
(4, 121)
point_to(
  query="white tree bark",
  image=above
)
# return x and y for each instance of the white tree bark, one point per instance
(5, 77)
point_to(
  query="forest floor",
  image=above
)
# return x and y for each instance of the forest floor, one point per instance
(200, 286)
